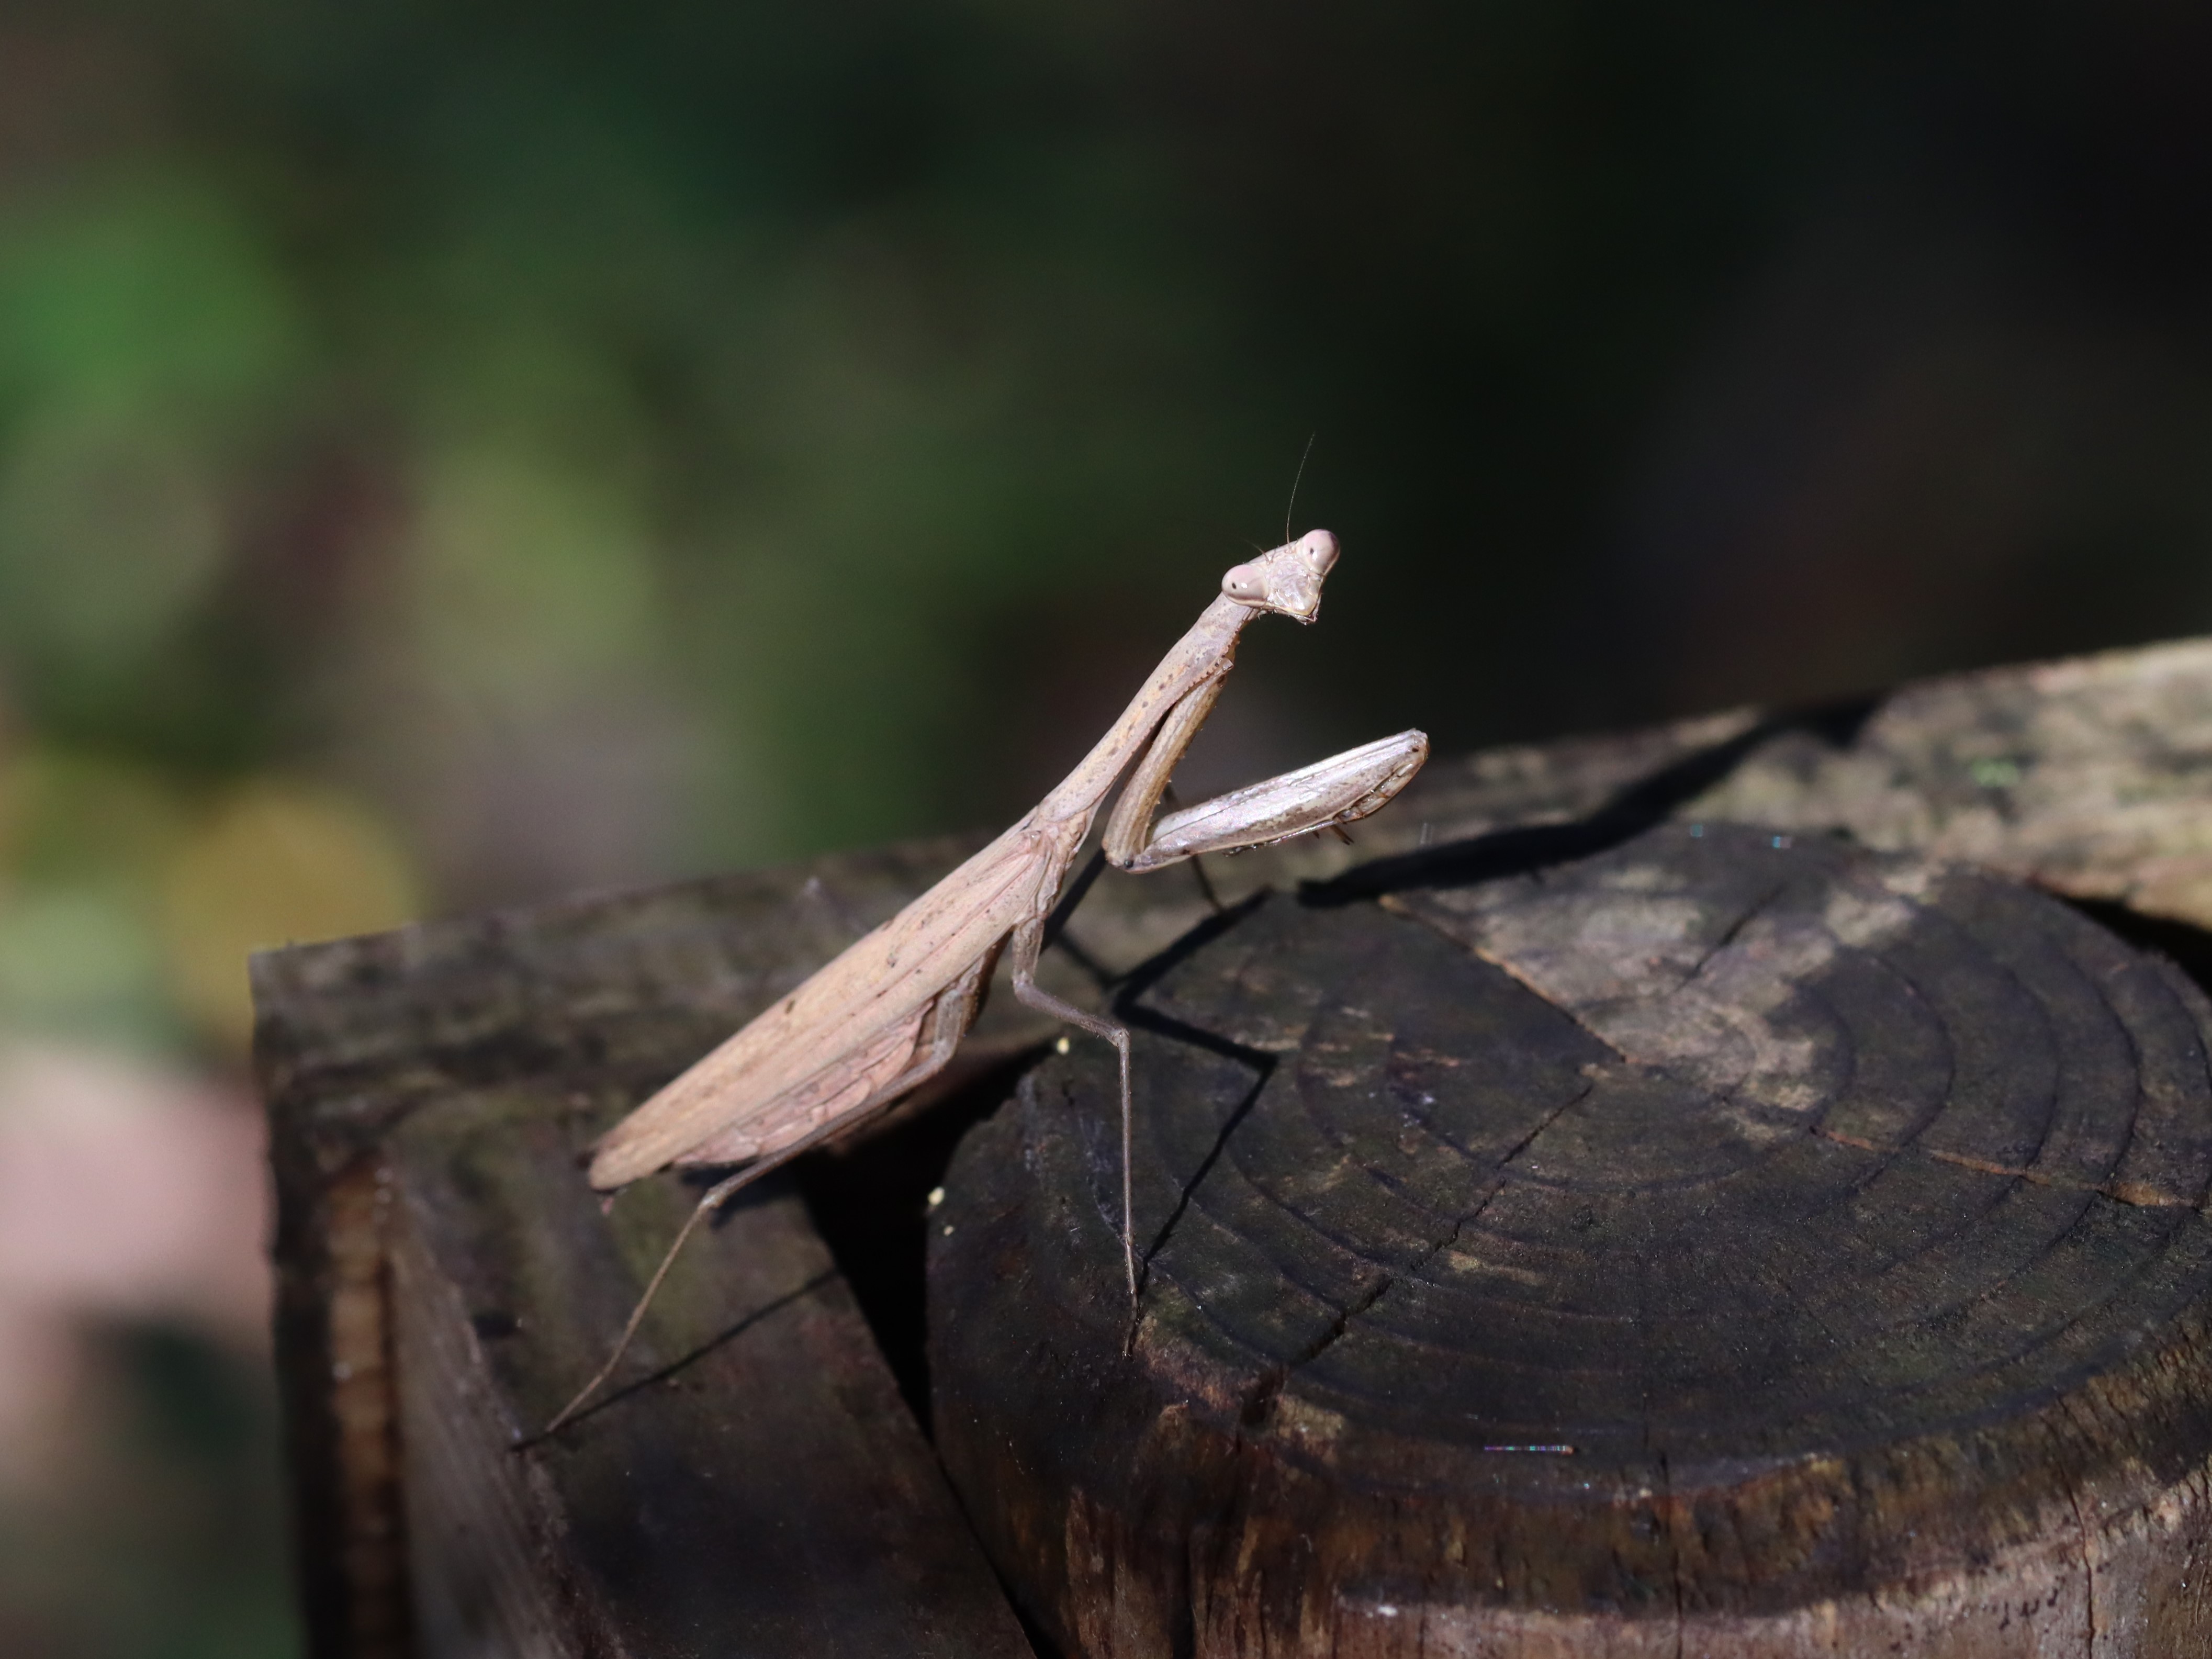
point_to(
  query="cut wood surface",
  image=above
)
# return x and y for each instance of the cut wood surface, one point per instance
(1728, 1243)
(2091, 778)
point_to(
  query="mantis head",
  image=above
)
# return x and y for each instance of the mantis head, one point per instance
(1287, 580)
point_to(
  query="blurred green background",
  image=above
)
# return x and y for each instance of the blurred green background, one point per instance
(451, 454)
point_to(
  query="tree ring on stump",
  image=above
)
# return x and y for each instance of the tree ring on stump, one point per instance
(1724, 1243)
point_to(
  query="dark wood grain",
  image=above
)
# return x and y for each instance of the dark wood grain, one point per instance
(1723, 1243)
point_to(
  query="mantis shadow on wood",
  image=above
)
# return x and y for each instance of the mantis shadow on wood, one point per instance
(1634, 809)
(887, 1013)
(1641, 805)
(692, 1355)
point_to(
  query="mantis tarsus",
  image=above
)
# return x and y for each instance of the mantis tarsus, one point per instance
(888, 1013)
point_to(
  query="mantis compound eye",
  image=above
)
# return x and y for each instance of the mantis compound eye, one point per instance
(1319, 550)
(1244, 584)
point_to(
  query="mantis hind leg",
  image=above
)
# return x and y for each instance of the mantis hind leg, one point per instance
(937, 1035)
(1027, 942)
(942, 1027)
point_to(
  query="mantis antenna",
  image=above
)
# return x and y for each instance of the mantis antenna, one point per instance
(1291, 506)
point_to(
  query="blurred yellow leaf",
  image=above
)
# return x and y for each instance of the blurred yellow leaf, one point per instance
(277, 863)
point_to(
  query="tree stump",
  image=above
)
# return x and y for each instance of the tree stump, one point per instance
(445, 1275)
(1725, 1244)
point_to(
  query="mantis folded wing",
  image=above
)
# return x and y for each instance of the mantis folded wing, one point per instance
(889, 1012)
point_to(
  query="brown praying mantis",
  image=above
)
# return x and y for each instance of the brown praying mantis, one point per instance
(887, 1014)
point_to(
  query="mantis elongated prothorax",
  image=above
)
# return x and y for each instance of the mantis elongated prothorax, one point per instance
(888, 1013)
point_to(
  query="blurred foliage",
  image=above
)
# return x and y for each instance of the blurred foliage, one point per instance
(727, 405)
(450, 454)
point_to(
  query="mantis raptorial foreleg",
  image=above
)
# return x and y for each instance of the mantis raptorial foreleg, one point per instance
(1340, 790)
(888, 1013)
(1128, 827)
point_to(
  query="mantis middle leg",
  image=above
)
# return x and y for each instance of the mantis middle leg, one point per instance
(1338, 790)
(1027, 944)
